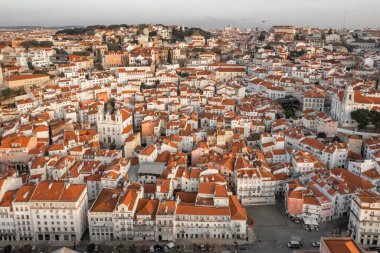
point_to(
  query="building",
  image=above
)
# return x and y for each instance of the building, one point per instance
(254, 185)
(120, 214)
(364, 219)
(314, 99)
(20, 81)
(14, 150)
(58, 211)
(226, 74)
(348, 101)
(48, 211)
(114, 128)
(114, 59)
(339, 244)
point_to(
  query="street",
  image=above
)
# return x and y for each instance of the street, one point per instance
(273, 230)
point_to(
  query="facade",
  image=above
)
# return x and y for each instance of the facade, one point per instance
(119, 214)
(348, 101)
(314, 99)
(114, 128)
(48, 211)
(21, 81)
(253, 185)
(364, 219)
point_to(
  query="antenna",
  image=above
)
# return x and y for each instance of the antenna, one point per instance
(264, 21)
(344, 21)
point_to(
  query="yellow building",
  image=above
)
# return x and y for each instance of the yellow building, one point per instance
(26, 80)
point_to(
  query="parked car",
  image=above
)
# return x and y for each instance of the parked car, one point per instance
(91, 247)
(158, 248)
(96, 248)
(7, 249)
(294, 244)
(316, 244)
(170, 245)
(203, 248)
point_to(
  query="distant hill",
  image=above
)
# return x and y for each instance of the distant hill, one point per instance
(178, 34)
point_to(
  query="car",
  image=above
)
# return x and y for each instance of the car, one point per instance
(374, 248)
(151, 249)
(294, 244)
(96, 248)
(7, 249)
(203, 248)
(170, 245)
(316, 244)
(297, 221)
(158, 248)
(91, 247)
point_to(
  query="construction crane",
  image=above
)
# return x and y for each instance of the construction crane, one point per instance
(264, 21)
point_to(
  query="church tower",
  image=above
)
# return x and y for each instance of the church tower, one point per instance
(1, 76)
(348, 98)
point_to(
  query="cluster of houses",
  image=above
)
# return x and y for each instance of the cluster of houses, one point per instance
(137, 135)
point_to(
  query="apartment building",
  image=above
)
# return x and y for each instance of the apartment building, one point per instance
(364, 222)
(48, 211)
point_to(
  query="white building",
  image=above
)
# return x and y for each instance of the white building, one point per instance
(364, 220)
(114, 128)
(48, 211)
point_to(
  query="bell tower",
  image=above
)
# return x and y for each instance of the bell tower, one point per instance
(1, 76)
(348, 95)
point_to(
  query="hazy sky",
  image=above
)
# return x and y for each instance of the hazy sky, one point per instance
(203, 13)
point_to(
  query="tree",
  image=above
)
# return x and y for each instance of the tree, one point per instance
(152, 34)
(362, 117)
(170, 60)
(113, 47)
(30, 65)
(268, 47)
(321, 135)
(289, 112)
(29, 43)
(60, 51)
(262, 36)
(6, 93)
(375, 119)
(184, 74)
(85, 53)
(112, 102)
(33, 43)
(46, 44)
(336, 139)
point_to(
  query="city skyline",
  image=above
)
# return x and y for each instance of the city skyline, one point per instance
(189, 126)
(200, 13)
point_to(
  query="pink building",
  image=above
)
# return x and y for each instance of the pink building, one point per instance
(295, 204)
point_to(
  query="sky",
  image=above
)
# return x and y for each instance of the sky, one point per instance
(199, 13)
